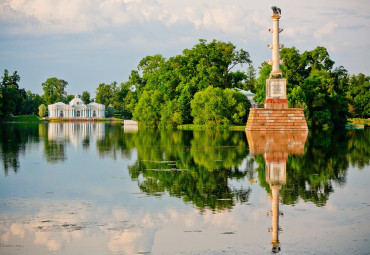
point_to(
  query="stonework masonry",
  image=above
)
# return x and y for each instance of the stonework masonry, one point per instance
(276, 119)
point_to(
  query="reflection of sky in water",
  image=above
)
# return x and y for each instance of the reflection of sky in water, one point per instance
(89, 203)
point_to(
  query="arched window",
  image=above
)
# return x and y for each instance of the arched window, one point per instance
(61, 113)
(78, 114)
(94, 113)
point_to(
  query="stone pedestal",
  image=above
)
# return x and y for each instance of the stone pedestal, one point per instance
(276, 94)
(276, 119)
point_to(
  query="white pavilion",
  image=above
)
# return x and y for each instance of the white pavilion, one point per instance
(76, 109)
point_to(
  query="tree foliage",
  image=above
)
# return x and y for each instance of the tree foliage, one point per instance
(359, 95)
(54, 90)
(179, 78)
(86, 97)
(105, 93)
(42, 110)
(11, 96)
(214, 106)
(110, 111)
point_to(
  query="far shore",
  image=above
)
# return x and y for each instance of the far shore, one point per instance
(36, 119)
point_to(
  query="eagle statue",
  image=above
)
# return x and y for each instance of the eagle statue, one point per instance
(276, 10)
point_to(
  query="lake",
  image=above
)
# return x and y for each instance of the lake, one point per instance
(98, 188)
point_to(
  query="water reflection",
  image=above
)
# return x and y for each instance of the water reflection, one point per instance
(76, 132)
(13, 142)
(169, 160)
(276, 146)
(177, 192)
(194, 166)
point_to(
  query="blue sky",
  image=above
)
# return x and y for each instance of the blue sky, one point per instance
(87, 42)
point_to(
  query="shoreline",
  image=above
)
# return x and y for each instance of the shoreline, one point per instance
(36, 119)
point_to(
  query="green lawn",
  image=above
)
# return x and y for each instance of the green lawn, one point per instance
(24, 118)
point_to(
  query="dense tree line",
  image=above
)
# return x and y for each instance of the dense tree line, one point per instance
(197, 87)
(17, 101)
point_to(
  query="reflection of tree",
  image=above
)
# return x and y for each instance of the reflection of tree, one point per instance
(113, 141)
(13, 141)
(324, 164)
(194, 166)
(358, 145)
(55, 150)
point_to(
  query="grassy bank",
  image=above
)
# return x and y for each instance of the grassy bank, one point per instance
(202, 127)
(359, 121)
(24, 118)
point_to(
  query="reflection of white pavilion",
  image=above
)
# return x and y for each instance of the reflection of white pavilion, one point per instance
(76, 109)
(75, 132)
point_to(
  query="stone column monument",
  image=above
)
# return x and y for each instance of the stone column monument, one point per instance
(276, 84)
(276, 115)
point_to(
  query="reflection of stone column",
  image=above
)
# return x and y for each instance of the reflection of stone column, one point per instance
(276, 146)
(276, 177)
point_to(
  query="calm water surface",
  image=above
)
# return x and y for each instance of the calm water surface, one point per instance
(92, 188)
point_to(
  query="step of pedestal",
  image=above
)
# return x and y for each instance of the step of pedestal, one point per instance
(276, 119)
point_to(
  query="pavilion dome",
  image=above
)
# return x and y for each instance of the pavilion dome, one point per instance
(76, 101)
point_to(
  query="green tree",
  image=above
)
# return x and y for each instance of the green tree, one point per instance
(110, 110)
(326, 107)
(171, 115)
(251, 80)
(129, 102)
(147, 110)
(31, 103)
(68, 99)
(105, 93)
(215, 106)
(54, 90)
(358, 94)
(260, 86)
(42, 110)
(180, 77)
(11, 96)
(86, 97)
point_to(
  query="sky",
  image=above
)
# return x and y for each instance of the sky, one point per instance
(88, 42)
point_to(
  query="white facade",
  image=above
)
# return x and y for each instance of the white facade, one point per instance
(76, 109)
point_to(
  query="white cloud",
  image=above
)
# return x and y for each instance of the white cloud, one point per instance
(325, 30)
(79, 16)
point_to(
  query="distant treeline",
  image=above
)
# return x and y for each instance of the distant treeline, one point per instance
(198, 86)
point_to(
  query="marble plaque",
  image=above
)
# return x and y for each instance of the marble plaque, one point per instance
(276, 89)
